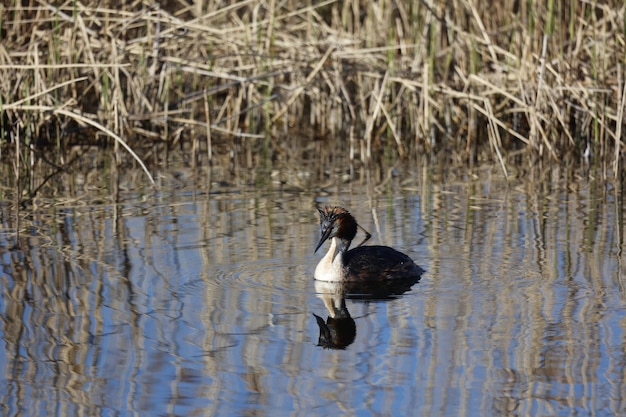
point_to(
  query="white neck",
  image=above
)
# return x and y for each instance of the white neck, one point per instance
(330, 267)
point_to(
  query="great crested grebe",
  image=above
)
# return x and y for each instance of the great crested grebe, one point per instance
(363, 263)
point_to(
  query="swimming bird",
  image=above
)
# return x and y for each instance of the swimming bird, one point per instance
(363, 263)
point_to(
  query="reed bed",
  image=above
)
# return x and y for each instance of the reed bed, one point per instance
(450, 77)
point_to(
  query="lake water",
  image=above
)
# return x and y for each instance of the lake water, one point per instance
(199, 298)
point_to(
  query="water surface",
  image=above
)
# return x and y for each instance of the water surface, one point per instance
(198, 299)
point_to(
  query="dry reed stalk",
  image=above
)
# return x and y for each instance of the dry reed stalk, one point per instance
(207, 115)
(377, 96)
(618, 131)
(239, 69)
(301, 88)
(494, 137)
(86, 121)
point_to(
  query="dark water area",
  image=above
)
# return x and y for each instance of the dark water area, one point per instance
(199, 298)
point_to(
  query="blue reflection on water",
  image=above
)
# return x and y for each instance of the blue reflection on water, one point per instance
(183, 306)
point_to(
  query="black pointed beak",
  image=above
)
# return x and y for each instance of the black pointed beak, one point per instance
(325, 235)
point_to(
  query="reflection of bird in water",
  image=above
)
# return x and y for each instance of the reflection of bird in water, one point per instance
(361, 264)
(339, 329)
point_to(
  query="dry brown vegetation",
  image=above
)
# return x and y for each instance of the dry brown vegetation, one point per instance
(541, 76)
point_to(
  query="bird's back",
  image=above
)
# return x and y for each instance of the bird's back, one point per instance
(367, 263)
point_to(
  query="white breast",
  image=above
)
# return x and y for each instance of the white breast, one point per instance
(330, 268)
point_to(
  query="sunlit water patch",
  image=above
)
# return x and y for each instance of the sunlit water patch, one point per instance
(193, 302)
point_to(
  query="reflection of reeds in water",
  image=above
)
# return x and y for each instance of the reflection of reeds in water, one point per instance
(521, 283)
(409, 74)
(534, 266)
